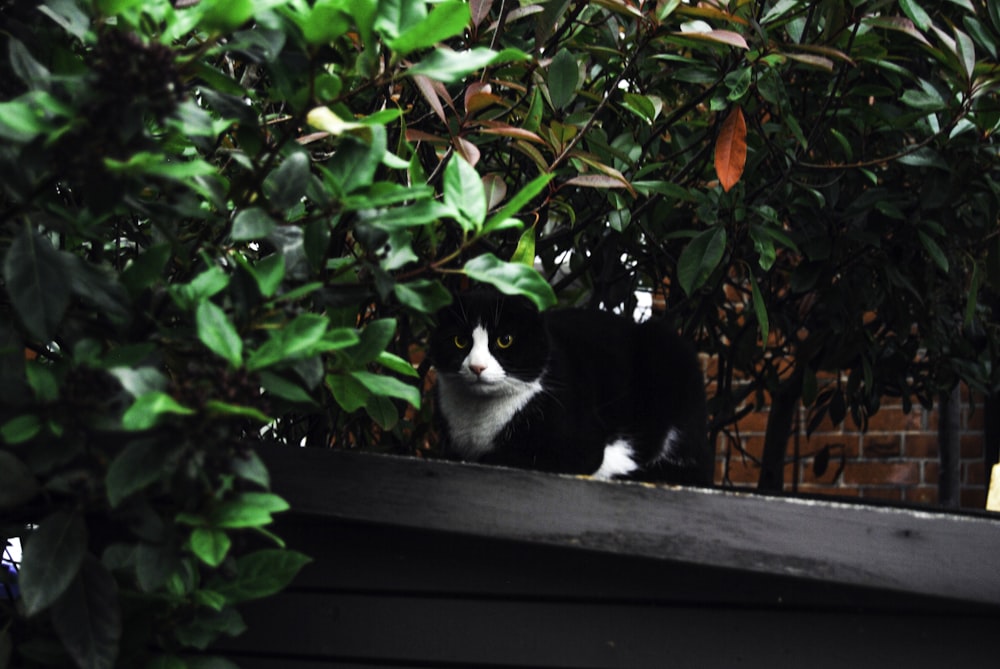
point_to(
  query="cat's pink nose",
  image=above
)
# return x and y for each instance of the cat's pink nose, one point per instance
(477, 369)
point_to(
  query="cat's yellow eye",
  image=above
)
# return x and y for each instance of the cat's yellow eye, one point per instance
(505, 341)
(461, 342)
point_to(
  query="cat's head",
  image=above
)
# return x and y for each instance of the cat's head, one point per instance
(490, 343)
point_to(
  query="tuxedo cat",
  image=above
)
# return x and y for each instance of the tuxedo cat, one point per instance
(572, 391)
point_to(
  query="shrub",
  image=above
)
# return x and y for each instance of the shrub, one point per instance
(228, 222)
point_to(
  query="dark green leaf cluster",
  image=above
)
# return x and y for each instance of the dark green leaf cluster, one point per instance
(230, 222)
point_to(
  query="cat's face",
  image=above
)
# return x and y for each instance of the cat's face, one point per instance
(489, 343)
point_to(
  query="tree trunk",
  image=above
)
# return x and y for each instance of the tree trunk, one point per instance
(784, 402)
(949, 483)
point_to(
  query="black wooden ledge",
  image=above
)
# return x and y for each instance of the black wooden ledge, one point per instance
(434, 564)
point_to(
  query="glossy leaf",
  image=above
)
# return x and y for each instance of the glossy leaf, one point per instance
(17, 483)
(149, 409)
(447, 19)
(387, 386)
(88, 619)
(451, 66)
(700, 258)
(731, 149)
(562, 77)
(217, 333)
(512, 279)
(51, 559)
(142, 463)
(261, 574)
(252, 223)
(464, 194)
(34, 274)
(210, 545)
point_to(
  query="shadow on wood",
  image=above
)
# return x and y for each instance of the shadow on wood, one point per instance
(433, 564)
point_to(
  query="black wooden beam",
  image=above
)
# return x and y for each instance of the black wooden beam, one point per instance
(918, 552)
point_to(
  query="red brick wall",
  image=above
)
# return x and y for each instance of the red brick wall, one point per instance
(896, 459)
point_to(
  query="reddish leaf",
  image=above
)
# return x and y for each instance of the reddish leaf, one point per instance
(731, 149)
(727, 37)
(500, 128)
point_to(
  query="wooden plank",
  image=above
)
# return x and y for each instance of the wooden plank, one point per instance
(911, 551)
(379, 559)
(465, 632)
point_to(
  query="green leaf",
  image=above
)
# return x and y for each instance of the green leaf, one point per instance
(325, 22)
(220, 408)
(261, 574)
(250, 224)
(21, 429)
(374, 339)
(42, 380)
(464, 193)
(287, 390)
(139, 380)
(446, 20)
(387, 386)
(512, 279)
(287, 185)
(394, 17)
(760, 310)
(217, 333)
(562, 77)
(249, 467)
(269, 272)
(20, 122)
(207, 284)
(451, 66)
(210, 545)
(524, 254)
(34, 274)
(921, 19)
(147, 269)
(394, 363)
(148, 409)
(249, 509)
(51, 559)
(17, 483)
(349, 393)
(88, 619)
(933, 250)
(302, 337)
(140, 464)
(700, 258)
(423, 295)
(519, 201)
(155, 565)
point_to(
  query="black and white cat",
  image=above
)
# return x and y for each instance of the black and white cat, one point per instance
(571, 391)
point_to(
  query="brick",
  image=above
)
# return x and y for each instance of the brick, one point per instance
(850, 443)
(971, 445)
(742, 471)
(882, 473)
(973, 498)
(882, 446)
(932, 473)
(893, 493)
(833, 490)
(893, 419)
(974, 418)
(974, 473)
(754, 422)
(921, 494)
(920, 446)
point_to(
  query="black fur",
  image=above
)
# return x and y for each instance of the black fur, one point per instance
(602, 377)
